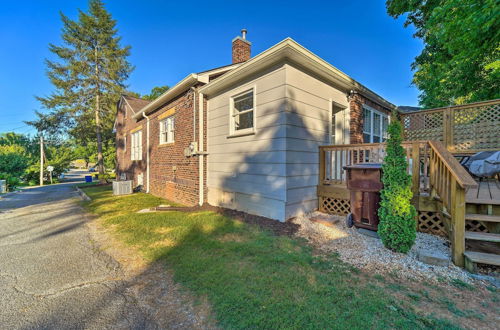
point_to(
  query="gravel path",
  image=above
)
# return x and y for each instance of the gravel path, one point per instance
(369, 254)
(54, 273)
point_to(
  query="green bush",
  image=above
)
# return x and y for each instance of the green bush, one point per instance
(397, 227)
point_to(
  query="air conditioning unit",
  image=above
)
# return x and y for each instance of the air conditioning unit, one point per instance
(122, 187)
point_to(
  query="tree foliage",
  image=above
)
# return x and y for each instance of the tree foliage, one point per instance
(89, 75)
(460, 62)
(397, 227)
(155, 93)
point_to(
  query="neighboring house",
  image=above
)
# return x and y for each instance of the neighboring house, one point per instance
(245, 136)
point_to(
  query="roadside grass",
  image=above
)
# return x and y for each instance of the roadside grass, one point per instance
(252, 278)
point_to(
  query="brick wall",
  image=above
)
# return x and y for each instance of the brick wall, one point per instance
(124, 124)
(172, 175)
(241, 50)
(356, 102)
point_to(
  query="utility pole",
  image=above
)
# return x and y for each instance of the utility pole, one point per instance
(41, 159)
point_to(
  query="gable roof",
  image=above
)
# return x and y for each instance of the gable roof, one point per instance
(135, 103)
(289, 49)
(188, 82)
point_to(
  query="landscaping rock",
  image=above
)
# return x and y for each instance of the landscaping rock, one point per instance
(370, 254)
(433, 258)
(146, 211)
(369, 233)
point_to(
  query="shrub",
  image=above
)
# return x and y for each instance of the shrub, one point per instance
(397, 227)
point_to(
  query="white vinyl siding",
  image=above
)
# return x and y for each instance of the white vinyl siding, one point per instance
(136, 146)
(374, 125)
(167, 128)
(242, 113)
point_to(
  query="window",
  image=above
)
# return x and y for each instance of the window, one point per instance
(374, 126)
(124, 143)
(242, 113)
(167, 127)
(136, 146)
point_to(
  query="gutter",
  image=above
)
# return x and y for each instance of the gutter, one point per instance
(180, 87)
(147, 151)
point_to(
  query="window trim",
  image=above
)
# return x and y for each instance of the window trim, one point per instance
(372, 115)
(161, 122)
(247, 131)
(342, 118)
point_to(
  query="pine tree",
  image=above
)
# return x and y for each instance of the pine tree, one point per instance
(89, 75)
(397, 227)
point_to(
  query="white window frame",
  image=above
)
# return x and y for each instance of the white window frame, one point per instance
(232, 115)
(136, 145)
(371, 133)
(167, 130)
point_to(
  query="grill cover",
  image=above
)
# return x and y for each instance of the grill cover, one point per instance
(484, 164)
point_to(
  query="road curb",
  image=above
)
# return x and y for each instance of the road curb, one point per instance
(83, 195)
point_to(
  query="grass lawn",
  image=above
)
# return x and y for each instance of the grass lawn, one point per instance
(251, 278)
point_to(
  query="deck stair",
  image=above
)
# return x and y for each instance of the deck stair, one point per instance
(474, 258)
(485, 198)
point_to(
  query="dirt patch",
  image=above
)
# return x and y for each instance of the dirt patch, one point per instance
(472, 307)
(151, 285)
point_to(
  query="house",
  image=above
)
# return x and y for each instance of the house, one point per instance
(245, 136)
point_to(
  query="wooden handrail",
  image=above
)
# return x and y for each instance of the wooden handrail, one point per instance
(464, 179)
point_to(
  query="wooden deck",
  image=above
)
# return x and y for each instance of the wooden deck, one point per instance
(487, 192)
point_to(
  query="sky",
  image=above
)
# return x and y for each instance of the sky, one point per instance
(171, 39)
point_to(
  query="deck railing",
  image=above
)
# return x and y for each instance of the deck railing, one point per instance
(449, 182)
(435, 172)
(465, 128)
(333, 158)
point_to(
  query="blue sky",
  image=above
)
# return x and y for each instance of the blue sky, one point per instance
(171, 39)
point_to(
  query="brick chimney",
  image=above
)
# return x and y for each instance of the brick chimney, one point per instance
(241, 48)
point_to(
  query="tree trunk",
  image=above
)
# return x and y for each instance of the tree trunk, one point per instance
(100, 161)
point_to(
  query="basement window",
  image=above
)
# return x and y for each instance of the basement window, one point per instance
(242, 113)
(167, 127)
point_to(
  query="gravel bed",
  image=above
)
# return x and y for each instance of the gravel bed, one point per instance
(369, 254)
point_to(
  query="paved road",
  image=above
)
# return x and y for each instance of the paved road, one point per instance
(52, 275)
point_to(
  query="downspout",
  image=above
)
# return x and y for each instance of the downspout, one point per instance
(147, 151)
(194, 113)
(200, 149)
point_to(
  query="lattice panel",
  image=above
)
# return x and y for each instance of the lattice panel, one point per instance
(423, 126)
(477, 127)
(335, 205)
(431, 223)
(473, 225)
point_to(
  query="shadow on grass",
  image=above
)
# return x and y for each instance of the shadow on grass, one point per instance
(255, 279)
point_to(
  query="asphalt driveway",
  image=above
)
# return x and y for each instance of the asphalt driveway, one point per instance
(52, 275)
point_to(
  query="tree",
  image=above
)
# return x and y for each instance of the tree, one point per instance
(155, 93)
(88, 76)
(460, 62)
(397, 227)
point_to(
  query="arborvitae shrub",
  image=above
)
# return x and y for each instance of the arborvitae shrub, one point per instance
(397, 227)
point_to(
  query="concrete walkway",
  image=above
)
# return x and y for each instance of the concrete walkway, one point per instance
(54, 276)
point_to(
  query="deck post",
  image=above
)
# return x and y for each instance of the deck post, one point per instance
(447, 129)
(321, 176)
(415, 171)
(457, 223)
